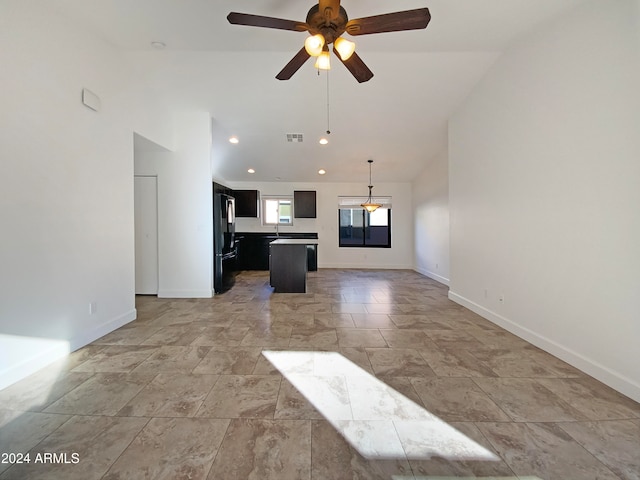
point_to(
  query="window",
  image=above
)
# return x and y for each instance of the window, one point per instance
(277, 210)
(359, 228)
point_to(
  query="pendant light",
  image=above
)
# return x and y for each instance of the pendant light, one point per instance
(369, 205)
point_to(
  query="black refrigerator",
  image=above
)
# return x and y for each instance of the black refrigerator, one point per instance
(224, 244)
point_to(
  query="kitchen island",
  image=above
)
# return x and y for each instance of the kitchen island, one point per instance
(288, 264)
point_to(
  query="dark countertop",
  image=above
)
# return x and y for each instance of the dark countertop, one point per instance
(272, 235)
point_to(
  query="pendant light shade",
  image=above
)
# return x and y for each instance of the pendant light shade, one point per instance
(370, 206)
(323, 62)
(313, 45)
(344, 47)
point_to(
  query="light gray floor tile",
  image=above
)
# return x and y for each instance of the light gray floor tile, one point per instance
(90, 446)
(171, 448)
(270, 450)
(102, 394)
(543, 450)
(185, 391)
(242, 396)
(615, 443)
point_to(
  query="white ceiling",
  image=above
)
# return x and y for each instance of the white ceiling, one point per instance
(398, 118)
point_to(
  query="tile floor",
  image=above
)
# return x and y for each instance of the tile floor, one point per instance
(185, 392)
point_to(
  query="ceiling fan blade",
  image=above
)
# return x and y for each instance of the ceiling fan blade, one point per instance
(250, 20)
(294, 65)
(356, 66)
(390, 22)
(334, 5)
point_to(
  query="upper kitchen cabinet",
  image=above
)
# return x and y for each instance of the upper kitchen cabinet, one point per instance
(247, 203)
(219, 188)
(304, 203)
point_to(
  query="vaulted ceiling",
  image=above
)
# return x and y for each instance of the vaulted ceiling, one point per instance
(398, 118)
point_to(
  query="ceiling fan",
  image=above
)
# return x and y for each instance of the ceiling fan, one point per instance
(326, 22)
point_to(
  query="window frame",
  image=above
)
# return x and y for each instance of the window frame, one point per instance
(365, 225)
(278, 198)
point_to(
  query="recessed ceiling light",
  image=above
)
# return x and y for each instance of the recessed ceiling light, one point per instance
(323, 141)
(251, 170)
(234, 139)
(322, 171)
(158, 45)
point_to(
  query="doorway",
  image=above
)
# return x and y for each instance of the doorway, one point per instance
(146, 234)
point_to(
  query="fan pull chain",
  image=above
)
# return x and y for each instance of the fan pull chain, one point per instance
(328, 130)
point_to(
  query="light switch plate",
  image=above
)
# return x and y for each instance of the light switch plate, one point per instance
(90, 99)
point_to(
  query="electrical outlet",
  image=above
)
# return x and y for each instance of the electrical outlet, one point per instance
(93, 308)
(501, 299)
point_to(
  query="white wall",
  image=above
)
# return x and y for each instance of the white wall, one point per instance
(185, 210)
(326, 223)
(431, 219)
(66, 207)
(544, 192)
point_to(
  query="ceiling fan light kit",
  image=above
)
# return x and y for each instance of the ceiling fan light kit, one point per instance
(326, 22)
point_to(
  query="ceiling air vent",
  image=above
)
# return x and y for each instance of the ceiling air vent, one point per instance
(294, 137)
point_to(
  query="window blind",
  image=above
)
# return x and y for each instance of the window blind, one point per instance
(355, 202)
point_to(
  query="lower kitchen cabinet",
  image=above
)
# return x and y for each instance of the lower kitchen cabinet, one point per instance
(253, 250)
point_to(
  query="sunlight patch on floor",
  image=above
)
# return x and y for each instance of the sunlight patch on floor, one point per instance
(375, 419)
(20, 356)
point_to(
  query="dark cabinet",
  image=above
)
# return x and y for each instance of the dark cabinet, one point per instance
(253, 250)
(304, 204)
(219, 188)
(288, 267)
(247, 203)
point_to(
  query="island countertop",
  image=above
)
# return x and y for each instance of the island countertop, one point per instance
(295, 241)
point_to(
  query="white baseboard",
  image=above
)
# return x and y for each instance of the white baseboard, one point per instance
(37, 353)
(352, 266)
(185, 294)
(109, 326)
(46, 351)
(607, 376)
(432, 275)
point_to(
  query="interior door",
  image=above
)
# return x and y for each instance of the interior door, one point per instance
(146, 233)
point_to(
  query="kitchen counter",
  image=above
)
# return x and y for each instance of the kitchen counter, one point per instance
(294, 241)
(253, 249)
